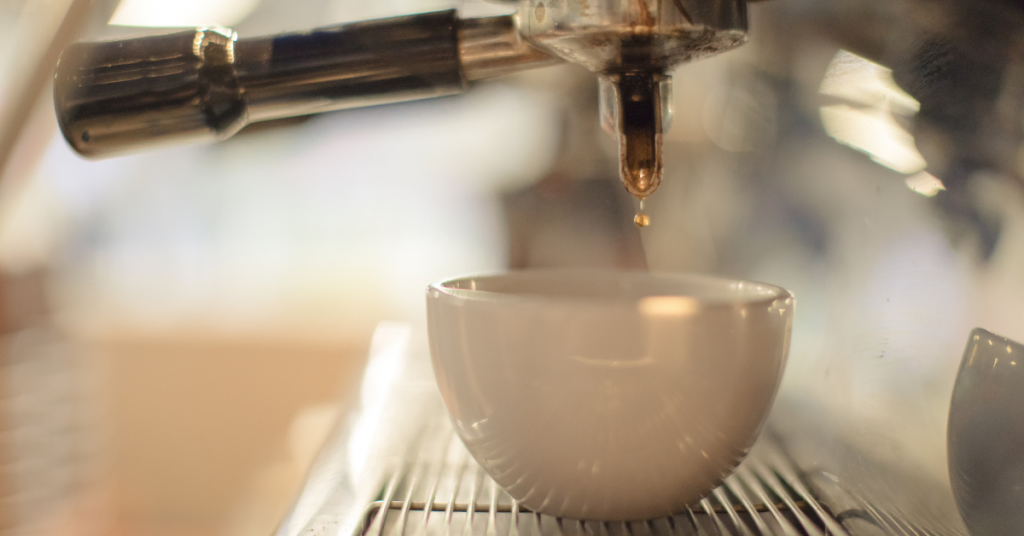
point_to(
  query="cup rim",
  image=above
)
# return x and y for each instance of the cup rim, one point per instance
(760, 293)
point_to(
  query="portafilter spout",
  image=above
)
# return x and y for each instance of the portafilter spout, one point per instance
(632, 45)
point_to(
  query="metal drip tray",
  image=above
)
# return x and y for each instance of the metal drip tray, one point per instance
(442, 491)
(394, 467)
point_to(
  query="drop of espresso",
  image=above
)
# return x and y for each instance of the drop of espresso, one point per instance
(641, 219)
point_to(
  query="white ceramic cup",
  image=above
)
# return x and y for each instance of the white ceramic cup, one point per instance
(986, 435)
(608, 395)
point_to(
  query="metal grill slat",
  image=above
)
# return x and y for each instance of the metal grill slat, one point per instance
(641, 528)
(695, 523)
(399, 528)
(662, 526)
(889, 521)
(581, 529)
(492, 512)
(748, 478)
(442, 491)
(679, 525)
(769, 477)
(450, 503)
(435, 484)
(513, 528)
(626, 530)
(561, 529)
(730, 510)
(377, 526)
(474, 492)
(555, 522)
(736, 488)
(783, 467)
(710, 511)
(538, 525)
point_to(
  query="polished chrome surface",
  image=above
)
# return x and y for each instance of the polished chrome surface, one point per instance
(119, 96)
(204, 85)
(493, 46)
(352, 65)
(133, 93)
(125, 95)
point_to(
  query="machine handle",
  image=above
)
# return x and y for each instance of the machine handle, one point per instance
(199, 85)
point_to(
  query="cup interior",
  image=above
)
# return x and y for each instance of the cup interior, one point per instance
(600, 286)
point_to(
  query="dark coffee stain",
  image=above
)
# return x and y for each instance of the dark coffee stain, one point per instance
(646, 18)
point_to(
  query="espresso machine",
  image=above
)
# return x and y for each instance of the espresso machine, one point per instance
(865, 154)
(208, 84)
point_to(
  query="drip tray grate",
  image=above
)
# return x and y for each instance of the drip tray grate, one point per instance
(442, 491)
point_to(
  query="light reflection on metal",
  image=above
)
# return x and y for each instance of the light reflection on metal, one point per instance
(925, 184)
(493, 46)
(865, 117)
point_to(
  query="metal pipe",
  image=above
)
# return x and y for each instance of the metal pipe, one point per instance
(205, 84)
(353, 65)
(493, 46)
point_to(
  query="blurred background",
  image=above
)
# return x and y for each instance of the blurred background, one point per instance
(181, 328)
